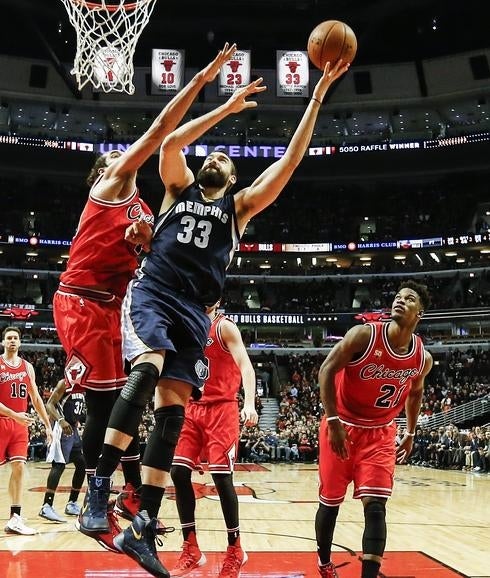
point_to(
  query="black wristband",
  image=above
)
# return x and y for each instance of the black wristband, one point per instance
(316, 100)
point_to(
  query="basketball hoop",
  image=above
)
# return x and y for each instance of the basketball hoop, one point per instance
(107, 33)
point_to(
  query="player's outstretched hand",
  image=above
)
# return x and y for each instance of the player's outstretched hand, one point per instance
(212, 69)
(330, 74)
(238, 100)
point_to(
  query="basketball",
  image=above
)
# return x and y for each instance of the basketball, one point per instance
(330, 41)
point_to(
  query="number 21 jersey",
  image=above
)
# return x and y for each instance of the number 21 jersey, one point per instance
(371, 391)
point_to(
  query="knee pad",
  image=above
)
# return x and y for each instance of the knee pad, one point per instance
(170, 421)
(58, 468)
(140, 385)
(223, 482)
(180, 475)
(160, 450)
(54, 476)
(374, 536)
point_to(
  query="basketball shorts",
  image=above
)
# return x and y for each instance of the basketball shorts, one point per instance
(90, 333)
(14, 441)
(370, 465)
(70, 444)
(154, 320)
(210, 432)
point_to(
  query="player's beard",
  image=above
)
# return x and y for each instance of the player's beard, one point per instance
(209, 177)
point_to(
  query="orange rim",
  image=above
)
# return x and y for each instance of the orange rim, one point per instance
(109, 7)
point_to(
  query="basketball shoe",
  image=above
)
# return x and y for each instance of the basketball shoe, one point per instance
(105, 538)
(16, 525)
(93, 517)
(327, 570)
(72, 509)
(51, 514)
(138, 542)
(234, 560)
(190, 558)
(128, 503)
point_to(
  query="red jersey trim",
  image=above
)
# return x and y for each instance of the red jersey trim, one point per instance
(372, 340)
(93, 294)
(386, 343)
(113, 203)
(21, 361)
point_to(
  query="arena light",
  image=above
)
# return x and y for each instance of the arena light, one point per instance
(451, 254)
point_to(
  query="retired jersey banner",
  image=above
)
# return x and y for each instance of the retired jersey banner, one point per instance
(167, 70)
(293, 73)
(235, 73)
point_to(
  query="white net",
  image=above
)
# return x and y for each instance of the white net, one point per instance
(107, 34)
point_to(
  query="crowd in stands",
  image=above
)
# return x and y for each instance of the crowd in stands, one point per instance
(313, 211)
(322, 295)
(449, 448)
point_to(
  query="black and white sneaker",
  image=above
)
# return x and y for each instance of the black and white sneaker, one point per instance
(138, 542)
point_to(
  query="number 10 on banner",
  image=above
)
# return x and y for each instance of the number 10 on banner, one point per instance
(235, 73)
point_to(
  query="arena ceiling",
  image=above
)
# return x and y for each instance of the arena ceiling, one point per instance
(388, 31)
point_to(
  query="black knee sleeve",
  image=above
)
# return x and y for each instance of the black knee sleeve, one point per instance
(79, 473)
(325, 520)
(140, 385)
(228, 499)
(180, 475)
(99, 406)
(374, 536)
(160, 450)
(130, 405)
(54, 476)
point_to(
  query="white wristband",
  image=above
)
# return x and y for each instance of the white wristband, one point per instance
(333, 418)
(410, 434)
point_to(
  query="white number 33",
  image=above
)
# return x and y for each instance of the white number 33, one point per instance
(195, 231)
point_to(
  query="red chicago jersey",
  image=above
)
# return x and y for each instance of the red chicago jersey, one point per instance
(224, 377)
(14, 382)
(371, 391)
(99, 256)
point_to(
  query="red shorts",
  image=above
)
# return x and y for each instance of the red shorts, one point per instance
(370, 465)
(90, 333)
(210, 432)
(14, 440)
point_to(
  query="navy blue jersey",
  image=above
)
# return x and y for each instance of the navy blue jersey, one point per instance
(192, 246)
(72, 407)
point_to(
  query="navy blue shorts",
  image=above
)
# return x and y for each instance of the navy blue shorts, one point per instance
(70, 444)
(156, 320)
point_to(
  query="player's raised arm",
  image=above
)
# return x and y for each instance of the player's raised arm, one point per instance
(175, 173)
(266, 188)
(126, 164)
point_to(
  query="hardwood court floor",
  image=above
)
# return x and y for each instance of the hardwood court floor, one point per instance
(438, 526)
